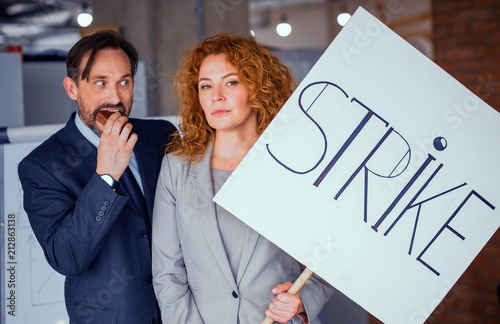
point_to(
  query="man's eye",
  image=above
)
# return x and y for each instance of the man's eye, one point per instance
(100, 83)
(124, 82)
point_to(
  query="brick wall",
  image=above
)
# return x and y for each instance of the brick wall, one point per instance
(467, 45)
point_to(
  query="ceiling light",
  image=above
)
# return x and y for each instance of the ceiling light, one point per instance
(84, 19)
(284, 29)
(344, 16)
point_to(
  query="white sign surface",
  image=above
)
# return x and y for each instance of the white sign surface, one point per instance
(380, 174)
(33, 292)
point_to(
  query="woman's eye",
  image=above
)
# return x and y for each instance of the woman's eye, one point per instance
(232, 83)
(204, 86)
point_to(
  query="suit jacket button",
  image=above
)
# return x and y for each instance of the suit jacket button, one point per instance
(235, 295)
(154, 321)
(101, 213)
(149, 279)
(142, 234)
(98, 218)
(106, 203)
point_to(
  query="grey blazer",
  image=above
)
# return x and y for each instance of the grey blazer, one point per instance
(192, 277)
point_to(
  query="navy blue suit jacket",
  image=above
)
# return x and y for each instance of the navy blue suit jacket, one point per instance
(93, 235)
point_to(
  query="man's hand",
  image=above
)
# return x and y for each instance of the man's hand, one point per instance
(284, 306)
(115, 146)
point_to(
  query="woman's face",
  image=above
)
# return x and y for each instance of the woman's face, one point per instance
(223, 97)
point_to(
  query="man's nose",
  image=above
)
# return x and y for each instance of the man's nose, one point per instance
(112, 95)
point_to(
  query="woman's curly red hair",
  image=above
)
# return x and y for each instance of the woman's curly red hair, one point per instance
(268, 81)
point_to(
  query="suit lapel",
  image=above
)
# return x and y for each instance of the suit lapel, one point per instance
(205, 208)
(249, 245)
(148, 161)
(82, 155)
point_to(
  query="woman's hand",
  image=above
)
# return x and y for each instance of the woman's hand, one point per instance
(284, 306)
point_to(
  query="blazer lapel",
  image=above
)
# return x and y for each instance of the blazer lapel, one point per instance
(148, 161)
(82, 155)
(249, 245)
(203, 193)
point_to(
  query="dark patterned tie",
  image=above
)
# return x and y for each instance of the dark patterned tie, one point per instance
(129, 182)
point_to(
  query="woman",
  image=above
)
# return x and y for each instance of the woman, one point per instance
(208, 266)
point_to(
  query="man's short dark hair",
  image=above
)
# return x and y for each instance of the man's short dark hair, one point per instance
(94, 43)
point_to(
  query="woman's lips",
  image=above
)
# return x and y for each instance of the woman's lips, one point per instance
(220, 112)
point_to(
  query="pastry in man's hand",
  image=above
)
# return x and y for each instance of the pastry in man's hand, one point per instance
(103, 115)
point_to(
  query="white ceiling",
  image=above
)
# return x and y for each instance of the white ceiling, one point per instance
(24, 21)
(30, 22)
(271, 4)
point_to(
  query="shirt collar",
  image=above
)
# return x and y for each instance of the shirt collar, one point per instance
(86, 131)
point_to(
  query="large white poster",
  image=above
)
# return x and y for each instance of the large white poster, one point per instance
(33, 292)
(380, 174)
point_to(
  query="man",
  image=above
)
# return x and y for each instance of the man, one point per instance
(92, 227)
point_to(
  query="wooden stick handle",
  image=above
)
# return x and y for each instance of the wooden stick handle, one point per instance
(294, 289)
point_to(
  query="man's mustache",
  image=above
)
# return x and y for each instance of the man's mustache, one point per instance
(118, 105)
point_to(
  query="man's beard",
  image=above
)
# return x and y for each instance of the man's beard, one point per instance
(91, 121)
